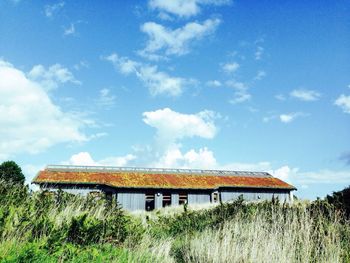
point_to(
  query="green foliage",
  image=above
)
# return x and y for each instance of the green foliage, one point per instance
(84, 230)
(11, 172)
(341, 200)
(61, 227)
(36, 252)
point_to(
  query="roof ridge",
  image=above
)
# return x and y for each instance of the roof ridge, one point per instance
(146, 169)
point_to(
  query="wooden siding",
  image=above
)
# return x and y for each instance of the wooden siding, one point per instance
(158, 202)
(250, 195)
(77, 190)
(198, 198)
(174, 199)
(132, 200)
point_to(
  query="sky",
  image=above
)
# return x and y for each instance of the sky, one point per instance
(208, 84)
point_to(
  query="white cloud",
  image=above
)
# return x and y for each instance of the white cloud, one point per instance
(230, 67)
(177, 41)
(174, 158)
(292, 175)
(69, 30)
(241, 93)
(50, 10)
(123, 64)
(325, 176)
(260, 75)
(214, 83)
(84, 158)
(240, 97)
(237, 166)
(172, 125)
(285, 173)
(286, 117)
(289, 117)
(118, 161)
(343, 102)
(53, 76)
(182, 8)
(282, 173)
(280, 97)
(158, 82)
(30, 122)
(81, 64)
(105, 98)
(305, 95)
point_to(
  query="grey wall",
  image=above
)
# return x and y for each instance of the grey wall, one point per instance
(135, 199)
(158, 201)
(198, 198)
(72, 189)
(132, 200)
(174, 199)
(229, 195)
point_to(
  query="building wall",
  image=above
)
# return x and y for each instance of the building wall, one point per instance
(256, 194)
(174, 199)
(135, 199)
(198, 198)
(84, 191)
(158, 201)
(132, 200)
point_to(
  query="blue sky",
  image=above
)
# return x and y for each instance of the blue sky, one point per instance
(214, 84)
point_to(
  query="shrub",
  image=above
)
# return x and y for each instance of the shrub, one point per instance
(341, 200)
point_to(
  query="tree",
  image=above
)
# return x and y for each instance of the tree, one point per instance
(11, 172)
(341, 200)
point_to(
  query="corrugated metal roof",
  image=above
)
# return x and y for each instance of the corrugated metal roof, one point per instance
(156, 178)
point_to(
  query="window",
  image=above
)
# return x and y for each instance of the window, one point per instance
(182, 198)
(166, 199)
(149, 206)
(109, 196)
(215, 197)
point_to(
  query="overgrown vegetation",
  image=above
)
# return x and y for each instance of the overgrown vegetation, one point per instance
(60, 227)
(11, 172)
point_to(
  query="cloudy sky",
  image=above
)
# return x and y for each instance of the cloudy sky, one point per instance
(214, 84)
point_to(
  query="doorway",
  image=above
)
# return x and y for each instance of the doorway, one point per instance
(149, 205)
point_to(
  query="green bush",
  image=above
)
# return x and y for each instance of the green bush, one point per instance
(61, 227)
(341, 200)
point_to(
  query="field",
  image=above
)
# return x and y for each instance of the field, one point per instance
(41, 227)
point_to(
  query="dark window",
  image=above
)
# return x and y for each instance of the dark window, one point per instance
(166, 199)
(109, 196)
(215, 197)
(149, 206)
(182, 198)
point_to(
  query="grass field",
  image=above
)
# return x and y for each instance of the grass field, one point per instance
(38, 227)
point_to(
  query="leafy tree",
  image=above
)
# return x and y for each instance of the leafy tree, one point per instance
(341, 200)
(11, 172)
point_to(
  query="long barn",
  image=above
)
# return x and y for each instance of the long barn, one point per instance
(153, 188)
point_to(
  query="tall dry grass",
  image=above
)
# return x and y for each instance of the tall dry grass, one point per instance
(280, 236)
(66, 228)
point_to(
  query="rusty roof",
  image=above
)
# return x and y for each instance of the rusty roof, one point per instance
(158, 178)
